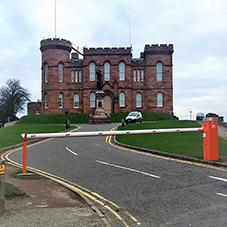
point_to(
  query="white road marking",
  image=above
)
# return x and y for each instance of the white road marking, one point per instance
(218, 178)
(71, 151)
(129, 169)
(221, 194)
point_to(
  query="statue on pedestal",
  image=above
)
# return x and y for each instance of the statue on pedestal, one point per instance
(99, 116)
(99, 85)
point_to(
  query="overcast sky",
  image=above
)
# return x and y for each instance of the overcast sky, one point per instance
(196, 28)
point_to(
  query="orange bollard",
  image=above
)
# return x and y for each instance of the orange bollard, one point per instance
(24, 154)
(210, 139)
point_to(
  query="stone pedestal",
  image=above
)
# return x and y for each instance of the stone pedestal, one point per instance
(100, 116)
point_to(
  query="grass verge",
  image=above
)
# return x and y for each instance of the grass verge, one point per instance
(188, 144)
(11, 135)
(12, 191)
(18, 173)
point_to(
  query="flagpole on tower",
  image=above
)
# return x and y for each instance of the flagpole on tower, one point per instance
(55, 19)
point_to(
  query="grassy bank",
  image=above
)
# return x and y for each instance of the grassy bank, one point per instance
(187, 144)
(117, 117)
(84, 118)
(54, 119)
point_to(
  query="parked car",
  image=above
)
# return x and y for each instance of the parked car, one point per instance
(199, 116)
(134, 117)
(211, 115)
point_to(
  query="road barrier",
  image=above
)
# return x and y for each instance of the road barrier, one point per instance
(208, 135)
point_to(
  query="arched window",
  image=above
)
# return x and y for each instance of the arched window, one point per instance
(122, 71)
(60, 69)
(92, 71)
(72, 76)
(159, 71)
(138, 75)
(138, 100)
(46, 100)
(76, 101)
(142, 75)
(60, 100)
(76, 76)
(134, 75)
(107, 71)
(46, 72)
(80, 76)
(122, 99)
(92, 99)
(159, 99)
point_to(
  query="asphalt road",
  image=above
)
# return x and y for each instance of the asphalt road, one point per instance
(144, 190)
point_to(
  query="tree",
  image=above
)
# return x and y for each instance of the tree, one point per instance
(13, 97)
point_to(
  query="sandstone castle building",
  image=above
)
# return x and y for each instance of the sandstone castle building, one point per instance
(69, 82)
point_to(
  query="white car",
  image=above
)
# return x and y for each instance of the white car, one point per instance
(134, 117)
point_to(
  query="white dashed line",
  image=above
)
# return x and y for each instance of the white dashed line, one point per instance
(221, 194)
(71, 151)
(129, 169)
(218, 178)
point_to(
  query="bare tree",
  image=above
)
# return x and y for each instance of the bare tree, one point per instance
(13, 98)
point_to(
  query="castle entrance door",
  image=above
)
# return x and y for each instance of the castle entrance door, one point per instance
(107, 104)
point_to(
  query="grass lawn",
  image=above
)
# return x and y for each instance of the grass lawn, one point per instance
(187, 144)
(11, 135)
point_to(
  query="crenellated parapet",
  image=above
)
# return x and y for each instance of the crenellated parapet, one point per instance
(107, 51)
(158, 49)
(55, 43)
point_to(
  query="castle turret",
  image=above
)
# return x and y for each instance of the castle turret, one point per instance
(55, 50)
(55, 54)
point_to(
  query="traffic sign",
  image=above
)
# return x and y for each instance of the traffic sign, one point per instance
(2, 169)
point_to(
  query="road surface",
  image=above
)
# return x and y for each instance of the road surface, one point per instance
(132, 188)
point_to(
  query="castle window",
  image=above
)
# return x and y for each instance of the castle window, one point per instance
(46, 100)
(76, 101)
(122, 99)
(142, 75)
(76, 76)
(159, 71)
(80, 77)
(60, 69)
(159, 99)
(138, 75)
(138, 100)
(46, 73)
(107, 71)
(134, 75)
(92, 71)
(92, 99)
(60, 100)
(72, 76)
(122, 71)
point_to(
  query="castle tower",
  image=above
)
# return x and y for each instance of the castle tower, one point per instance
(55, 53)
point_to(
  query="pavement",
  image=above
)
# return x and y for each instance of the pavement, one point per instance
(68, 216)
